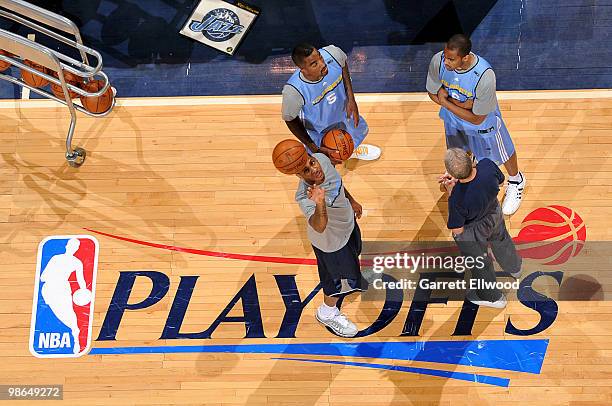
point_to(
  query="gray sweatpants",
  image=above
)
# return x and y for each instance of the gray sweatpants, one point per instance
(474, 241)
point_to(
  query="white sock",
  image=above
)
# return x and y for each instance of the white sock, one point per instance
(327, 312)
(516, 178)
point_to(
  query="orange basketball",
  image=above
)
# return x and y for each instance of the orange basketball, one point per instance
(70, 78)
(5, 65)
(98, 104)
(551, 235)
(289, 156)
(33, 79)
(340, 140)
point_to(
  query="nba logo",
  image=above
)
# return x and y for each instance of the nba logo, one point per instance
(62, 309)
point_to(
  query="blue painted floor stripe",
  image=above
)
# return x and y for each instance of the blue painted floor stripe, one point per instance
(510, 355)
(463, 376)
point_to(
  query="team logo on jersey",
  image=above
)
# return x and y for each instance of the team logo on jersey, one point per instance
(62, 309)
(331, 98)
(218, 25)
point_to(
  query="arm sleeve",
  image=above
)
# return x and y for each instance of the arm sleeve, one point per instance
(433, 74)
(455, 218)
(491, 167)
(292, 103)
(486, 100)
(337, 53)
(307, 206)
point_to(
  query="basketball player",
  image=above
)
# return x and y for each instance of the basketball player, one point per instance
(330, 211)
(56, 289)
(463, 84)
(319, 97)
(476, 221)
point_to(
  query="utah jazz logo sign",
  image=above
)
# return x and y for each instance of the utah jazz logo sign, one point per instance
(220, 24)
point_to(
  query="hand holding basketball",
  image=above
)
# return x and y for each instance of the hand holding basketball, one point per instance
(338, 140)
(82, 297)
(332, 154)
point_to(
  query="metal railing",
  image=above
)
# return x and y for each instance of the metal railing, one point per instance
(21, 48)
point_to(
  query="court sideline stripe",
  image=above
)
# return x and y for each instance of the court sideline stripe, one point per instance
(276, 99)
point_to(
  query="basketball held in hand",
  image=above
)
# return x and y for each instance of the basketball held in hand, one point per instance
(340, 140)
(98, 104)
(289, 156)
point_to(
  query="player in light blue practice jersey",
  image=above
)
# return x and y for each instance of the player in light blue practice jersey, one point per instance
(319, 97)
(463, 84)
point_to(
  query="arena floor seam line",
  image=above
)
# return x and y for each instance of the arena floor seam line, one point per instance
(276, 99)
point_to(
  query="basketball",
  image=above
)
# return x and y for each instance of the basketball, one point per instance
(289, 156)
(70, 78)
(3, 64)
(551, 235)
(82, 297)
(340, 140)
(33, 79)
(98, 104)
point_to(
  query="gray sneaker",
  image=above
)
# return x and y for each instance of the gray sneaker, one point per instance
(340, 324)
(498, 304)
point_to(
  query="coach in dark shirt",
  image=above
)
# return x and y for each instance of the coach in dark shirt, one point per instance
(477, 222)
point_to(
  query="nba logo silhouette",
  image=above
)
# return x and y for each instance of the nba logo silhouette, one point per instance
(62, 309)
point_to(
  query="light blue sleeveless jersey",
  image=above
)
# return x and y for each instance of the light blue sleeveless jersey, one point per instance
(324, 101)
(461, 87)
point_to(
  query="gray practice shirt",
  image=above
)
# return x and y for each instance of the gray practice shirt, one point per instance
(293, 100)
(485, 103)
(340, 214)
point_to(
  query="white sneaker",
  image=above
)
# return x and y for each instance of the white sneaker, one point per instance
(366, 152)
(513, 196)
(517, 274)
(340, 324)
(498, 304)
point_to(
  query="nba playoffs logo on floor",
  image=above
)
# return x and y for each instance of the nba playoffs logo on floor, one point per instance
(62, 310)
(218, 25)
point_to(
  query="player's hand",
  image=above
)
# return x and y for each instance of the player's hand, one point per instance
(356, 208)
(352, 110)
(332, 154)
(468, 104)
(443, 97)
(316, 194)
(444, 177)
(447, 182)
(442, 93)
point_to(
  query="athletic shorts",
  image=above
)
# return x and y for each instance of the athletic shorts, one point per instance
(493, 142)
(339, 271)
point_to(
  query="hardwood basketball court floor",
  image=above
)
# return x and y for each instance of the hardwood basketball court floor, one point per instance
(169, 184)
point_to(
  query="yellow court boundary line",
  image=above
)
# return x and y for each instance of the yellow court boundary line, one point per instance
(276, 99)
